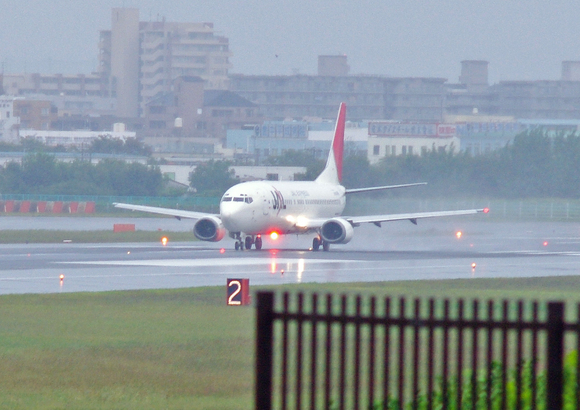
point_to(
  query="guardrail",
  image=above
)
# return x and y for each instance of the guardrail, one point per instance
(349, 353)
(104, 203)
(525, 209)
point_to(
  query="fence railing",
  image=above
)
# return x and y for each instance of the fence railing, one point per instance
(548, 209)
(353, 353)
(104, 203)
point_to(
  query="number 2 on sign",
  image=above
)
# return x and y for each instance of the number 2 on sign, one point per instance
(231, 300)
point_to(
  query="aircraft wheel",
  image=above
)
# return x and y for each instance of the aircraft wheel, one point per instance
(258, 243)
(237, 246)
(315, 244)
(325, 246)
(249, 242)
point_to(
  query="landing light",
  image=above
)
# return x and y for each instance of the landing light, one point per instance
(458, 234)
(164, 240)
(274, 235)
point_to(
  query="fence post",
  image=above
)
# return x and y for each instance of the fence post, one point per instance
(264, 349)
(555, 354)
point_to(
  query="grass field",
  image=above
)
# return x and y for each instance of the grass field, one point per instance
(171, 349)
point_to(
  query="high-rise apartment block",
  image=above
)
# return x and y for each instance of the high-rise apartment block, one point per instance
(143, 59)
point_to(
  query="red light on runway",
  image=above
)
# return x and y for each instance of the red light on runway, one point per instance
(545, 243)
(222, 250)
(485, 210)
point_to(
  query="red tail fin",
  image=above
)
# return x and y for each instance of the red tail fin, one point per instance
(332, 173)
(338, 140)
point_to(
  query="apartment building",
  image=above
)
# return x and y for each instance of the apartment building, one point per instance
(143, 59)
(367, 97)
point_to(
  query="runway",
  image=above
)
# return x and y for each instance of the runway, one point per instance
(397, 251)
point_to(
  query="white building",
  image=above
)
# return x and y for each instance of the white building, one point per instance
(391, 138)
(8, 122)
(180, 173)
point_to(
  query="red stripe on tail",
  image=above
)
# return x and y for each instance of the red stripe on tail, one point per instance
(338, 140)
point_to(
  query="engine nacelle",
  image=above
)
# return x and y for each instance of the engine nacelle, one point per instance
(209, 229)
(337, 230)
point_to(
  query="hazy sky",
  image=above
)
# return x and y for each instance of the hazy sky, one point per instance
(522, 40)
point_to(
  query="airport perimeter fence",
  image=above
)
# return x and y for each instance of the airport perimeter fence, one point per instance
(104, 204)
(525, 209)
(315, 352)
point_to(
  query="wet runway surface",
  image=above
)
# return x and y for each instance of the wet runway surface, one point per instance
(397, 251)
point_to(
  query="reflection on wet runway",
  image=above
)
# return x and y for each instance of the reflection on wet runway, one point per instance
(431, 251)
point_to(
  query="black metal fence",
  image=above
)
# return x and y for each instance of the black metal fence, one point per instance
(352, 353)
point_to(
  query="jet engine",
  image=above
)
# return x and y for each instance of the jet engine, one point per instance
(209, 229)
(337, 230)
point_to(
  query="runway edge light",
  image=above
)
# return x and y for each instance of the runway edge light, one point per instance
(238, 292)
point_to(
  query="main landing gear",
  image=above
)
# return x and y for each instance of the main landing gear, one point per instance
(316, 242)
(248, 242)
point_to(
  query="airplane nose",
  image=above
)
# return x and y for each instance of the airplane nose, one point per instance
(228, 216)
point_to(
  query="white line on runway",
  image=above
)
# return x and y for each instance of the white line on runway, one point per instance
(208, 262)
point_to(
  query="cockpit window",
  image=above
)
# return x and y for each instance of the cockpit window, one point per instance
(226, 199)
(238, 199)
(249, 200)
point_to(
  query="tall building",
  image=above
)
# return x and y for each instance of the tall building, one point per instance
(124, 52)
(143, 59)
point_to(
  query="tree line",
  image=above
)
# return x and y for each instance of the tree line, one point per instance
(41, 173)
(534, 165)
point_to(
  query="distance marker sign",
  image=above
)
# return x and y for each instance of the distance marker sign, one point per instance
(238, 292)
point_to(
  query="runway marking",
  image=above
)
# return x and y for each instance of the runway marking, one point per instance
(535, 252)
(209, 262)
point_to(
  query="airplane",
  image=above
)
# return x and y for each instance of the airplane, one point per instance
(250, 210)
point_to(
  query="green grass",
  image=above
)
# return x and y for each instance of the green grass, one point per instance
(54, 236)
(171, 349)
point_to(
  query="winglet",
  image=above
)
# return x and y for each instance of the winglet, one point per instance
(332, 172)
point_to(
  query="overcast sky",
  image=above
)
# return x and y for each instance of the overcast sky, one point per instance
(522, 40)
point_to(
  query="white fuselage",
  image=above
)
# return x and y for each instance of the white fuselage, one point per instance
(262, 207)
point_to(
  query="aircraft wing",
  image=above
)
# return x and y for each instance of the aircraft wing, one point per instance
(377, 219)
(380, 188)
(178, 213)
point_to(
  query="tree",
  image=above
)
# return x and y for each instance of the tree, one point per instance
(294, 158)
(213, 178)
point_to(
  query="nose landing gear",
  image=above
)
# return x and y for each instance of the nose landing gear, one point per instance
(248, 242)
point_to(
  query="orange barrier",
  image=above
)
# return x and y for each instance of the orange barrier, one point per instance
(124, 228)
(90, 208)
(57, 207)
(24, 206)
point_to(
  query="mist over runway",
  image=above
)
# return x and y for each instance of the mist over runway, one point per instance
(397, 251)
